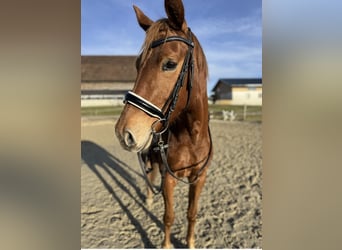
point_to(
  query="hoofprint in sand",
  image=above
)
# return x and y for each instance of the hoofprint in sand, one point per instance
(113, 211)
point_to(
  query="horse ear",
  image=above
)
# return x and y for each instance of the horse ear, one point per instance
(143, 20)
(175, 12)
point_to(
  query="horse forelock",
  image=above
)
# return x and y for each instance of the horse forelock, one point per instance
(158, 30)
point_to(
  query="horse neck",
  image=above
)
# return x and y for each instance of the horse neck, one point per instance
(198, 105)
(196, 114)
(197, 110)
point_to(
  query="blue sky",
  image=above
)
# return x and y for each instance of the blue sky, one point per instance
(230, 31)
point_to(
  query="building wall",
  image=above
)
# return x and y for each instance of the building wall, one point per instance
(101, 102)
(105, 97)
(245, 95)
(106, 79)
(242, 96)
(107, 85)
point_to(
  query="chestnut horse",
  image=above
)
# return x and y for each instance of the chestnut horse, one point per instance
(165, 117)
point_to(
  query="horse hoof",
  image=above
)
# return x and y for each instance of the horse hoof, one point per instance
(170, 246)
(191, 245)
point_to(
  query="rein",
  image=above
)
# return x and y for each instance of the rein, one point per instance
(164, 114)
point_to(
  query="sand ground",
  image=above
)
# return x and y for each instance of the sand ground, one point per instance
(113, 212)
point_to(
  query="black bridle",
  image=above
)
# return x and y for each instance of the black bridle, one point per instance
(165, 112)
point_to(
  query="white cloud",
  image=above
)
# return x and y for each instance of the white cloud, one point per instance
(113, 42)
(234, 54)
(217, 26)
(232, 46)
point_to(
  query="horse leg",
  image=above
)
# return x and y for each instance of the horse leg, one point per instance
(151, 177)
(169, 216)
(194, 194)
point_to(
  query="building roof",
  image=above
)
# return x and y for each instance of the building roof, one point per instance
(238, 82)
(108, 68)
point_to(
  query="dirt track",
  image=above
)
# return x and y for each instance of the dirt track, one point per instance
(113, 213)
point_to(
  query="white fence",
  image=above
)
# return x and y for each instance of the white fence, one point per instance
(232, 115)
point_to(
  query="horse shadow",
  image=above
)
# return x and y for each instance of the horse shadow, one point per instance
(96, 157)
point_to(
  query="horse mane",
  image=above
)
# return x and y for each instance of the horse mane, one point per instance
(200, 57)
(161, 29)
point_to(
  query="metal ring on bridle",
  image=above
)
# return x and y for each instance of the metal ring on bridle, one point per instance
(165, 125)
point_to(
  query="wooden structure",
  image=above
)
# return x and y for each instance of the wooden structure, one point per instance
(106, 79)
(237, 91)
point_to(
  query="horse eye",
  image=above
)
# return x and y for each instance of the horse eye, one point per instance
(169, 65)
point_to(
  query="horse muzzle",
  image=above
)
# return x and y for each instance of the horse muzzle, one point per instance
(133, 136)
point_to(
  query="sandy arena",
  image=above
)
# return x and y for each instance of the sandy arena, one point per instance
(113, 212)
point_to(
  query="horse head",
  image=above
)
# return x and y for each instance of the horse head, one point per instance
(164, 73)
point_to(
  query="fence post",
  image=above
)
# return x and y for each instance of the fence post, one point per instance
(244, 112)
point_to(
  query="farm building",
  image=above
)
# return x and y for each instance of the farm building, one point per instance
(238, 91)
(106, 79)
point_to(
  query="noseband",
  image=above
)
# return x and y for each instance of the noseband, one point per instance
(149, 108)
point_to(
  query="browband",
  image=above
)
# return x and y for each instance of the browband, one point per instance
(170, 39)
(144, 105)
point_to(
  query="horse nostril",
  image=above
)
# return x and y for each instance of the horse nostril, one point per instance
(129, 139)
